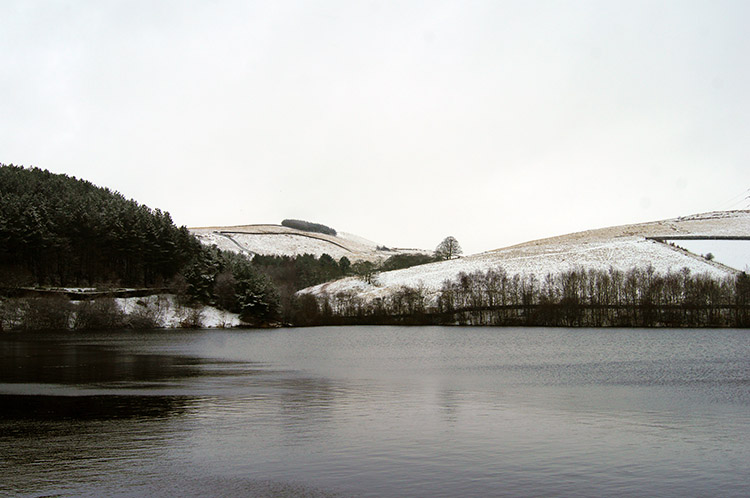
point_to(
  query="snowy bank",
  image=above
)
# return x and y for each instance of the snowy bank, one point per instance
(168, 313)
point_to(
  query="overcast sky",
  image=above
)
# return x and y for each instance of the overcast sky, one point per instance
(496, 122)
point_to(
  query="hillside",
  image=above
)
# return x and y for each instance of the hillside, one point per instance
(621, 248)
(277, 240)
(64, 231)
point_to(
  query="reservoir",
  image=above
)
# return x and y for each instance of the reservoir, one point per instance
(376, 411)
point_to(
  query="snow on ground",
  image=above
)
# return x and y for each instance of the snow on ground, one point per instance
(621, 248)
(356, 239)
(169, 314)
(277, 240)
(223, 242)
(290, 244)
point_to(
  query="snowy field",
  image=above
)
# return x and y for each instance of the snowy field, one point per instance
(277, 240)
(622, 248)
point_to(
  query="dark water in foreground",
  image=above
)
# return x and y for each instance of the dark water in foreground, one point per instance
(377, 411)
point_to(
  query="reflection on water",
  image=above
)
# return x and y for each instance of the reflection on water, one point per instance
(61, 362)
(81, 408)
(377, 411)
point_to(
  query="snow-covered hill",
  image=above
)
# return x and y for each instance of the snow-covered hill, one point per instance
(280, 240)
(621, 247)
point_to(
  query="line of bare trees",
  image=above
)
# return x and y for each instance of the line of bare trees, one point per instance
(579, 297)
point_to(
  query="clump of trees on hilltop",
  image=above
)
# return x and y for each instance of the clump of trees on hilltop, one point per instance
(307, 226)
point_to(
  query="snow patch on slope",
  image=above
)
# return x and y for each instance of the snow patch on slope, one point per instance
(277, 240)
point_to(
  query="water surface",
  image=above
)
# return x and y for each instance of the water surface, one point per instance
(376, 411)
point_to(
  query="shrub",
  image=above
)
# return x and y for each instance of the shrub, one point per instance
(11, 313)
(47, 313)
(98, 314)
(148, 314)
(191, 317)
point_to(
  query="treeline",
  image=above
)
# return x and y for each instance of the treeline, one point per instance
(57, 230)
(592, 298)
(307, 226)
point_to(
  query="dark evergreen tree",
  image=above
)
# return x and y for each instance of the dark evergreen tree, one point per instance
(64, 231)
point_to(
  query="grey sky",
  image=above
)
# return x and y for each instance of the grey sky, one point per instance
(406, 121)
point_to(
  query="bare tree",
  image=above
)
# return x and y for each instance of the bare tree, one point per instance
(448, 248)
